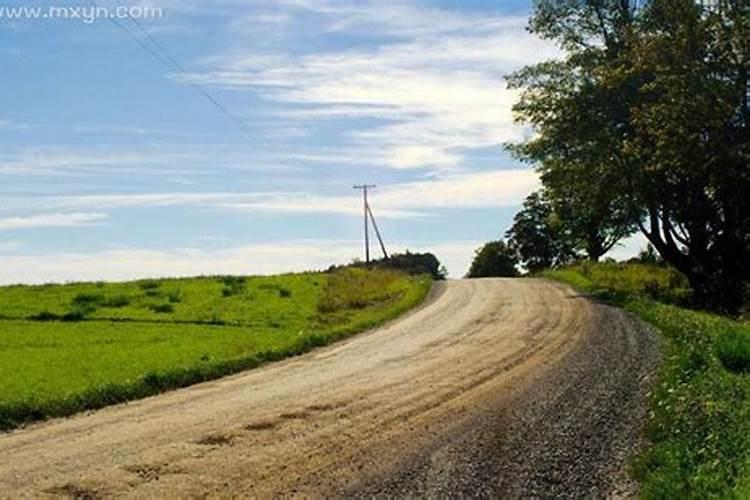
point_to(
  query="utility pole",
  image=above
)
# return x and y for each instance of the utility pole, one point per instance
(366, 208)
(368, 216)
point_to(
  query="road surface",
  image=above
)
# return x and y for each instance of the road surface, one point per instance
(493, 388)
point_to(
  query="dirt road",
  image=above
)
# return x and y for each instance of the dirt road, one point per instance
(494, 388)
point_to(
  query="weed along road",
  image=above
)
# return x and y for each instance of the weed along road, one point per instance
(493, 388)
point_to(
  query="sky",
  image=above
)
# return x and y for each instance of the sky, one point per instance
(225, 136)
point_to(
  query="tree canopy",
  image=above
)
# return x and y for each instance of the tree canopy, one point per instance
(494, 259)
(645, 121)
(539, 237)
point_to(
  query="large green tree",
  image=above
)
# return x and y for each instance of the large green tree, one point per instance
(649, 107)
(539, 237)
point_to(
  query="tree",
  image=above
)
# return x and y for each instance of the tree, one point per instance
(538, 237)
(650, 107)
(494, 259)
(691, 125)
(595, 219)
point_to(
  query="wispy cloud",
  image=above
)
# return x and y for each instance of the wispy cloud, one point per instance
(50, 220)
(435, 76)
(415, 199)
(149, 159)
(405, 200)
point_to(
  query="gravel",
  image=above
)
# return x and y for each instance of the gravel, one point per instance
(569, 435)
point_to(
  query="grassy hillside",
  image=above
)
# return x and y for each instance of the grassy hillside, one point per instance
(699, 426)
(66, 348)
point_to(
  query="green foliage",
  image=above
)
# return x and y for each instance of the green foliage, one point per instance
(733, 349)
(649, 256)
(411, 263)
(116, 301)
(538, 237)
(494, 259)
(699, 426)
(618, 281)
(162, 308)
(147, 285)
(233, 285)
(49, 367)
(355, 288)
(647, 116)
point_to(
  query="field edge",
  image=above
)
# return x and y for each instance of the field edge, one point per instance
(19, 415)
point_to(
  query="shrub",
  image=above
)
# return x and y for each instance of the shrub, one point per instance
(162, 308)
(494, 259)
(233, 285)
(82, 305)
(45, 316)
(733, 349)
(116, 301)
(175, 296)
(88, 300)
(149, 285)
(409, 263)
(74, 315)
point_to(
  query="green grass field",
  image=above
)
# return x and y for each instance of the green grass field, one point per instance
(699, 427)
(67, 348)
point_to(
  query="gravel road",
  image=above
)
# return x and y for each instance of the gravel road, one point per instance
(494, 388)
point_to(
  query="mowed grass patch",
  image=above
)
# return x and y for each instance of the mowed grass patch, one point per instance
(122, 349)
(699, 426)
(210, 300)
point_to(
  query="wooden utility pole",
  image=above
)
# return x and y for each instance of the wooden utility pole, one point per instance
(364, 188)
(368, 216)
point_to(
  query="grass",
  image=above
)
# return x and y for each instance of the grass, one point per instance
(69, 348)
(699, 424)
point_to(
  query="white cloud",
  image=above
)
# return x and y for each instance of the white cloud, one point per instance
(499, 188)
(153, 159)
(438, 76)
(50, 220)
(482, 190)
(260, 258)
(125, 264)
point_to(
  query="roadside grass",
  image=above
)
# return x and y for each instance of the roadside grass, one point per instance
(699, 425)
(70, 348)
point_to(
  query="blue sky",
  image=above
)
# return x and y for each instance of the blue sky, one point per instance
(114, 166)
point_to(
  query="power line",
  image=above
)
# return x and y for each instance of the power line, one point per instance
(181, 69)
(160, 54)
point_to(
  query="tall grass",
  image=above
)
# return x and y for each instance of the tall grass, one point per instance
(354, 288)
(699, 425)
